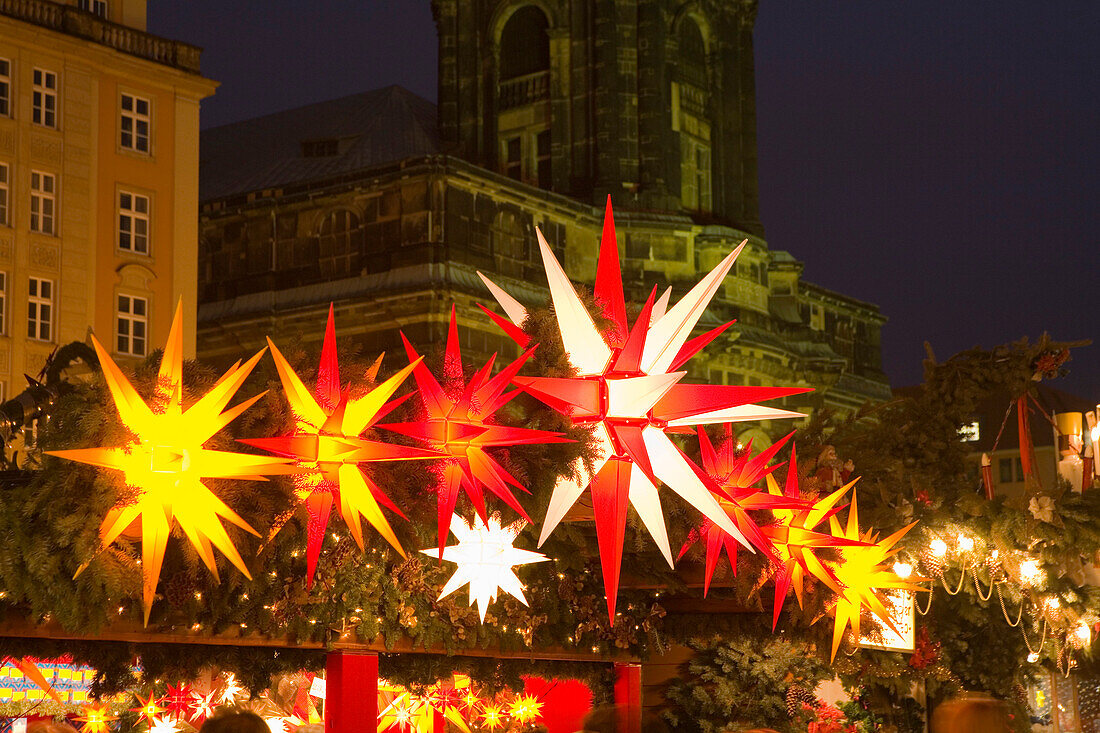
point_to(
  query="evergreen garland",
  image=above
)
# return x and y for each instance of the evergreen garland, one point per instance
(907, 452)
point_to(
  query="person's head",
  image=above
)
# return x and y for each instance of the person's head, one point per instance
(235, 721)
(971, 715)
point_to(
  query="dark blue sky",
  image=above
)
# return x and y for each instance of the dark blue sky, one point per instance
(940, 159)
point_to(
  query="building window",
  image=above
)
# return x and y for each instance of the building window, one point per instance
(132, 324)
(970, 432)
(523, 93)
(44, 106)
(340, 240)
(134, 124)
(98, 7)
(5, 88)
(43, 202)
(513, 158)
(542, 159)
(3, 301)
(689, 99)
(320, 148)
(40, 309)
(133, 222)
(5, 194)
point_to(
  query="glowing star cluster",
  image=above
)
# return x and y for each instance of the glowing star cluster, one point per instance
(459, 421)
(736, 476)
(628, 390)
(796, 539)
(327, 447)
(167, 461)
(864, 571)
(485, 558)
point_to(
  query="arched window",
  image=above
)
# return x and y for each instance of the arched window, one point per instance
(523, 94)
(690, 119)
(693, 54)
(524, 44)
(340, 240)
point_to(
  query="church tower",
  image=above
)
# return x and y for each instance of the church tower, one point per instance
(652, 101)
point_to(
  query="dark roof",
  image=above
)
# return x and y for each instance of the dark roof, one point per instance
(379, 126)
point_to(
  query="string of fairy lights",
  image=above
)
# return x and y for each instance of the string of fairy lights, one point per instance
(1041, 617)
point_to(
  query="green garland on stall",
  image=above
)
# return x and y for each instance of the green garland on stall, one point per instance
(907, 452)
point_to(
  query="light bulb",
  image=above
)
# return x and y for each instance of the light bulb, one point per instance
(1030, 572)
(1083, 633)
(939, 547)
(1053, 603)
(1033, 657)
(966, 543)
(903, 569)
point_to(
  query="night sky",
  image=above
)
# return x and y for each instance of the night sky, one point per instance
(939, 159)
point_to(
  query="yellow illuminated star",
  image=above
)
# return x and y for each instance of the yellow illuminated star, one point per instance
(492, 717)
(796, 540)
(167, 460)
(525, 708)
(863, 572)
(96, 719)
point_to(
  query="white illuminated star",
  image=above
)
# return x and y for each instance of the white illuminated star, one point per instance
(485, 558)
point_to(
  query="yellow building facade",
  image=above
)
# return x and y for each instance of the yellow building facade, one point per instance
(99, 145)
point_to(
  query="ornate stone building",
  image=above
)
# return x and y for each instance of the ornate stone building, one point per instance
(99, 181)
(387, 205)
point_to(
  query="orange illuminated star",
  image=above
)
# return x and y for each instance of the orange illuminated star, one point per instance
(327, 445)
(150, 709)
(864, 571)
(97, 719)
(460, 421)
(167, 460)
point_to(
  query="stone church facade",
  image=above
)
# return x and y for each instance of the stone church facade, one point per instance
(388, 205)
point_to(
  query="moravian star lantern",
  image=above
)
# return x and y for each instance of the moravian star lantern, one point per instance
(328, 448)
(796, 540)
(167, 460)
(864, 571)
(736, 477)
(627, 388)
(485, 558)
(459, 420)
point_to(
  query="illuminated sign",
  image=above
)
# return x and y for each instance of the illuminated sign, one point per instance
(880, 636)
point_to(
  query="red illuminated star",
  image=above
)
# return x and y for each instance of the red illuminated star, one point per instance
(736, 478)
(459, 421)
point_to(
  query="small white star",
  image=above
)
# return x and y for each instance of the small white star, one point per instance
(485, 558)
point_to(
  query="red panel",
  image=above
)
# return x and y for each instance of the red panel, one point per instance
(628, 698)
(565, 703)
(351, 692)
